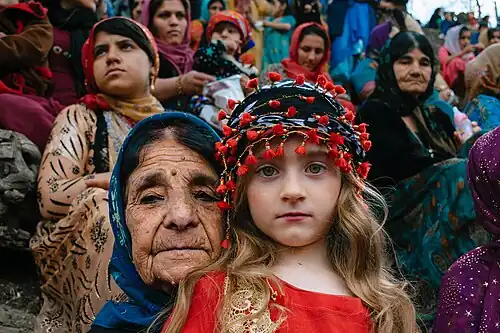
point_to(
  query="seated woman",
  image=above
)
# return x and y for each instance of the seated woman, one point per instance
(482, 81)
(309, 56)
(199, 27)
(72, 245)
(164, 180)
(416, 150)
(454, 55)
(471, 287)
(170, 22)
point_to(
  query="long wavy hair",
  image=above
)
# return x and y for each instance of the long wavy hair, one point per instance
(357, 249)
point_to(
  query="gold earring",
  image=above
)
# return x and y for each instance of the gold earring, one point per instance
(152, 86)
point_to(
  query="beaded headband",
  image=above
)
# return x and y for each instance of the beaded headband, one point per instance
(282, 109)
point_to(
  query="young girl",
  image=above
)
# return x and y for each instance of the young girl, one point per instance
(305, 251)
(277, 34)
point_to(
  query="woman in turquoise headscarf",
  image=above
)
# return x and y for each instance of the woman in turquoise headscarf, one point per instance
(169, 155)
(420, 165)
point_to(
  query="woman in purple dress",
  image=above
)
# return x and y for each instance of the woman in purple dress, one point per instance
(470, 293)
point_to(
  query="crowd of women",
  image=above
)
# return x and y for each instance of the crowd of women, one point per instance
(203, 169)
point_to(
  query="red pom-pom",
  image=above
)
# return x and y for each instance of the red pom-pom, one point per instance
(313, 136)
(278, 129)
(300, 79)
(274, 77)
(246, 118)
(231, 160)
(329, 86)
(367, 145)
(336, 139)
(253, 84)
(242, 170)
(221, 189)
(323, 120)
(280, 151)
(223, 205)
(349, 116)
(232, 143)
(227, 130)
(363, 169)
(222, 115)
(341, 164)
(218, 156)
(292, 111)
(252, 135)
(268, 154)
(339, 90)
(251, 159)
(310, 99)
(221, 148)
(333, 154)
(274, 104)
(226, 244)
(231, 185)
(362, 127)
(347, 156)
(301, 150)
(364, 136)
(231, 104)
(321, 80)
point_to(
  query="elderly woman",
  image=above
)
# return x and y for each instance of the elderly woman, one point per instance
(73, 245)
(170, 23)
(416, 150)
(482, 81)
(469, 295)
(164, 214)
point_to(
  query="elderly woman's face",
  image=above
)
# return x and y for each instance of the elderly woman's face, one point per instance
(170, 22)
(172, 213)
(413, 72)
(121, 67)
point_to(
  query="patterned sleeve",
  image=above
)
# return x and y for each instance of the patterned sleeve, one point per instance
(66, 161)
(208, 58)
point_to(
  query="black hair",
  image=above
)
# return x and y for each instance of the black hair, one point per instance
(462, 31)
(315, 30)
(193, 136)
(221, 1)
(127, 28)
(288, 9)
(154, 5)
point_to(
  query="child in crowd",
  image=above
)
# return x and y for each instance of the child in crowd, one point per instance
(305, 249)
(277, 34)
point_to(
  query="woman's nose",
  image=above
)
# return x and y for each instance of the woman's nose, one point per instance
(181, 215)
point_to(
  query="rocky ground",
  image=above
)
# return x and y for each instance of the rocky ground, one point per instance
(19, 291)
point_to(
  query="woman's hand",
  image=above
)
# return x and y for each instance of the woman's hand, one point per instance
(99, 180)
(193, 82)
(475, 127)
(468, 49)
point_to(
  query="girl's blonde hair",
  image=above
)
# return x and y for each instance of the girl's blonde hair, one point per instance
(357, 248)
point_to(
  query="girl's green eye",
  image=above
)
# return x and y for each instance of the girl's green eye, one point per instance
(267, 171)
(315, 168)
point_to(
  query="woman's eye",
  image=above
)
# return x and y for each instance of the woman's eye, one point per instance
(127, 46)
(206, 196)
(98, 53)
(267, 171)
(315, 168)
(150, 199)
(180, 16)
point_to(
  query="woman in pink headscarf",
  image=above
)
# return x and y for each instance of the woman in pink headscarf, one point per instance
(170, 23)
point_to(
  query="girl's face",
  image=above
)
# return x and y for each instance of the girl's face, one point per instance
(413, 72)
(464, 39)
(292, 199)
(229, 35)
(311, 52)
(215, 7)
(121, 67)
(170, 22)
(495, 38)
(137, 10)
(278, 8)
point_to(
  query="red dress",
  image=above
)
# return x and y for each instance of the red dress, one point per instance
(307, 311)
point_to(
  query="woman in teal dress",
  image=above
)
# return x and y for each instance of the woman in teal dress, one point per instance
(277, 34)
(420, 165)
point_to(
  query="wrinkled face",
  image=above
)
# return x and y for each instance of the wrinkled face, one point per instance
(413, 72)
(137, 10)
(121, 67)
(496, 38)
(292, 199)
(464, 39)
(170, 22)
(311, 52)
(171, 213)
(215, 7)
(229, 35)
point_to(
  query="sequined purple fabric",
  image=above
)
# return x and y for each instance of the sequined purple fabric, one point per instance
(470, 293)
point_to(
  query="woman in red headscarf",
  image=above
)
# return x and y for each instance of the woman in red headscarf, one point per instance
(73, 244)
(309, 56)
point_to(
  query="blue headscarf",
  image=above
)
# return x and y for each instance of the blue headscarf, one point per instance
(143, 302)
(205, 15)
